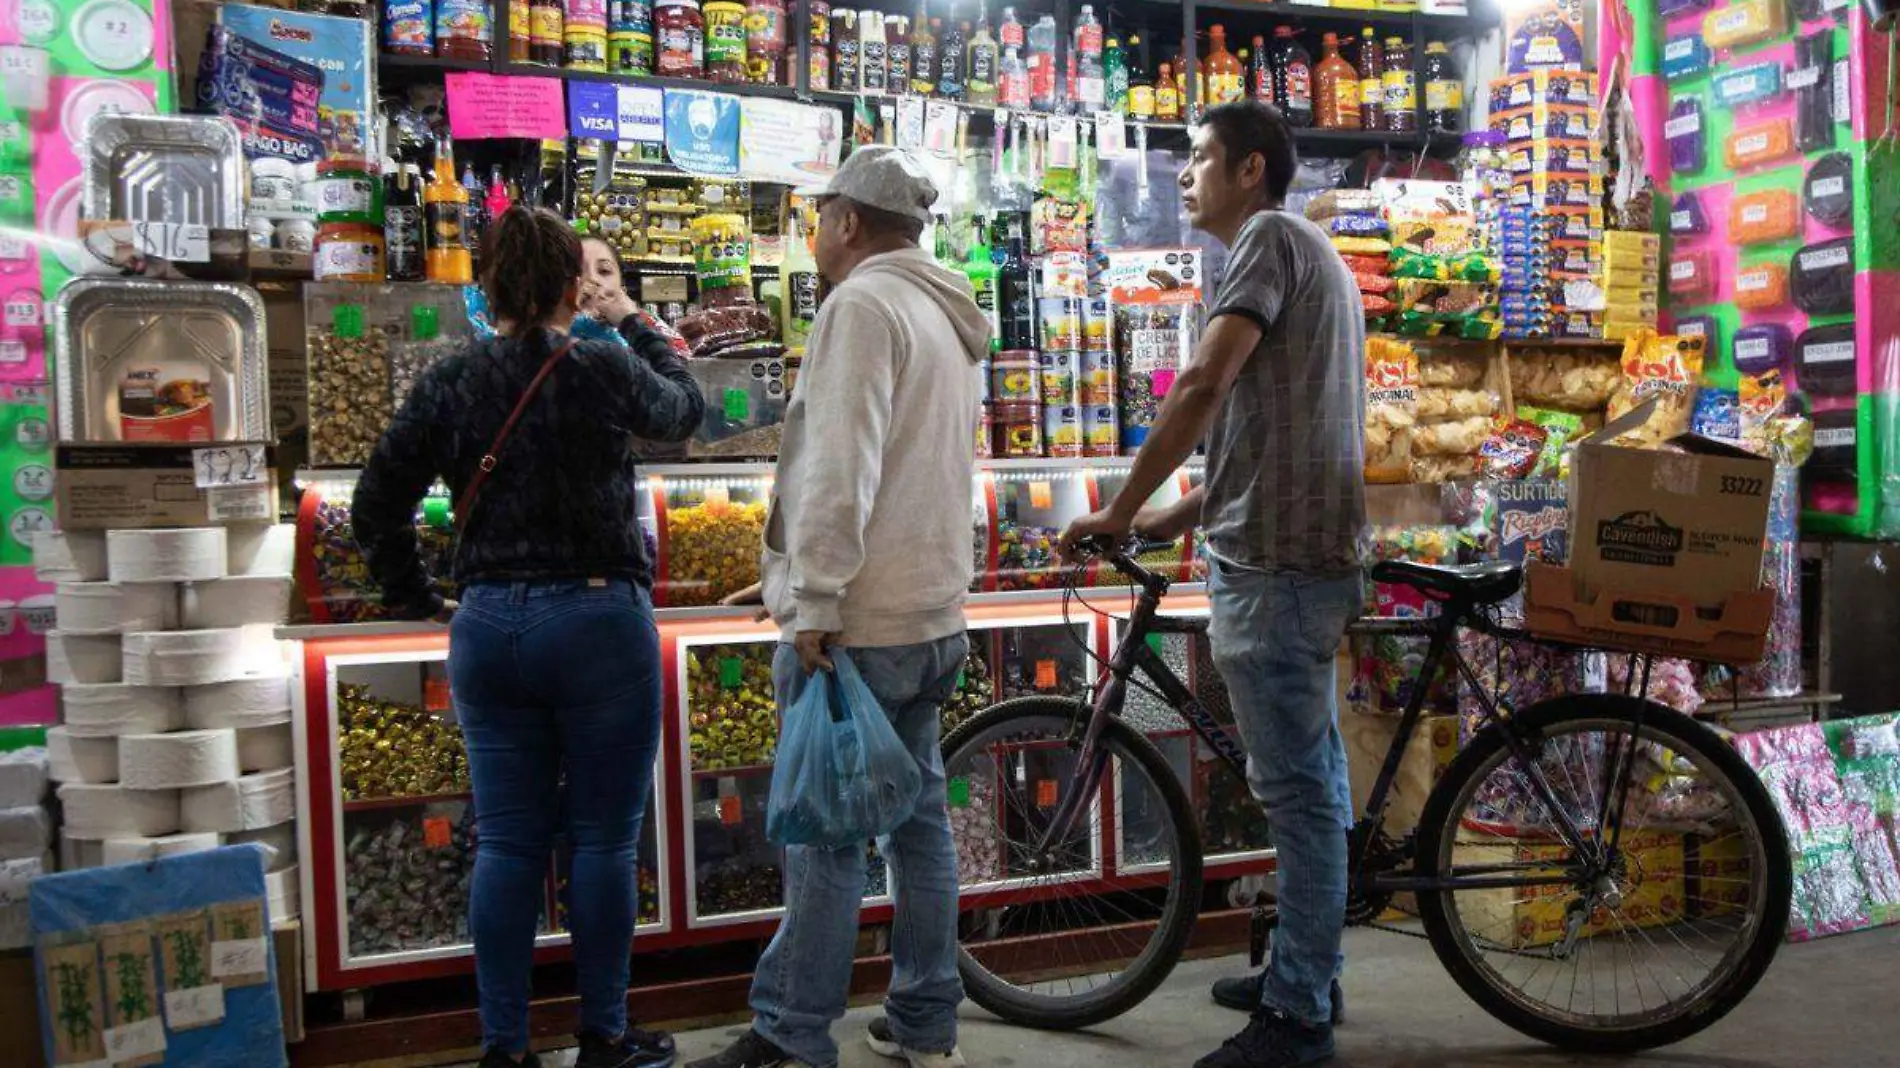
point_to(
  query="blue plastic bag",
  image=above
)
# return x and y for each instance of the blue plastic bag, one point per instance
(842, 776)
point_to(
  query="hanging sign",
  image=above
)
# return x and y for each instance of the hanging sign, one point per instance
(702, 131)
(490, 106)
(792, 144)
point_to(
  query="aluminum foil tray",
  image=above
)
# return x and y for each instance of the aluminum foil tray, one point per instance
(164, 168)
(160, 361)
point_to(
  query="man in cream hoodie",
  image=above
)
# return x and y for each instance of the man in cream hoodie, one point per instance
(867, 549)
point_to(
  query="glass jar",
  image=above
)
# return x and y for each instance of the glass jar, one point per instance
(681, 32)
(347, 190)
(765, 40)
(725, 41)
(349, 252)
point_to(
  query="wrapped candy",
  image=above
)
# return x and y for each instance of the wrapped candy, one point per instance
(973, 830)
(1026, 556)
(1560, 429)
(732, 711)
(407, 887)
(1512, 449)
(389, 749)
(713, 550)
(1671, 681)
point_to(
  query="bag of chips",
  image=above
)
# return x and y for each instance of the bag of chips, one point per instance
(1560, 429)
(1512, 449)
(1664, 368)
(1391, 409)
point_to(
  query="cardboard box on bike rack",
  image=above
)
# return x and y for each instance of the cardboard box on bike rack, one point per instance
(1665, 549)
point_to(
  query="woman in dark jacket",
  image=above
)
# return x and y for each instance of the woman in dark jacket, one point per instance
(554, 661)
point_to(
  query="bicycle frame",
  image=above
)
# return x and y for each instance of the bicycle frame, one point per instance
(1133, 654)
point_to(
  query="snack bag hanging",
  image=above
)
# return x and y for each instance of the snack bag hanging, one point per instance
(842, 776)
(1663, 367)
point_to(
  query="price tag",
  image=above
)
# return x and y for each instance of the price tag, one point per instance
(1827, 257)
(437, 832)
(1045, 793)
(1751, 282)
(940, 128)
(13, 352)
(1682, 125)
(738, 405)
(1804, 77)
(1755, 213)
(1831, 352)
(1829, 187)
(1155, 643)
(731, 672)
(230, 465)
(1682, 270)
(27, 75)
(243, 956)
(12, 247)
(1843, 92)
(229, 504)
(425, 322)
(177, 242)
(21, 311)
(1752, 145)
(1046, 678)
(196, 1007)
(1062, 137)
(958, 790)
(1833, 437)
(1111, 135)
(137, 1041)
(1042, 495)
(435, 694)
(730, 811)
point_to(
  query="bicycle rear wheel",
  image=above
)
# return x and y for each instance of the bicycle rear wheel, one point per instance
(1046, 939)
(1639, 938)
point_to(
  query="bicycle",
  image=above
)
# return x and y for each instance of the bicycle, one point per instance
(1540, 866)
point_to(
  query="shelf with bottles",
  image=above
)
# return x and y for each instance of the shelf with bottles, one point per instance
(1478, 17)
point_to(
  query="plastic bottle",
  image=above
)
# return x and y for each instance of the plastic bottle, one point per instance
(1401, 87)
(846, 50)
(409, 27)
(498, 199)
(1444, 91)
(1226, 81)
(462, 30)
(953, 43)
(874, 54)
(923, 55)
(402, 224)
(520, 30)
(800, 304)
(1114, 77)
(477, 215)
(1292, 77)
(545, 18)
(1167, 95)
(1141, 88)
(1371, 70)
(1010, 32)
(445, 209)
(1041, 58)
(1091, 87)
(1260, 72)
(980, 268)
(1012, 80)
(1335, 89)
(981, 69)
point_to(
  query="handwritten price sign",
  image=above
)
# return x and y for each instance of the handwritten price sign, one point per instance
(230, 465)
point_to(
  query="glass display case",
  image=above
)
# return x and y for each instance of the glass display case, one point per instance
(1172, 562)
(393, 842)
(368, 344)
(709, 524)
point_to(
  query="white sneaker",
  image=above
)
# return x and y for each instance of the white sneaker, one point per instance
(881, 1041)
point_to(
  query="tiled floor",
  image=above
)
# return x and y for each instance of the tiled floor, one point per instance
(1827, 1004)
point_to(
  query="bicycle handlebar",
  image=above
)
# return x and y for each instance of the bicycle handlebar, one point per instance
(1121, 556)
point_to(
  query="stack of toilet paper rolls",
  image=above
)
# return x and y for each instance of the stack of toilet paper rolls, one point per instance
(26, 839)
(176, 733)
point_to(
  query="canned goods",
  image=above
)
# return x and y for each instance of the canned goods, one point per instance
(985, 429)
(1101, 430)
(1056, 374)
(1095, 378)
(1062, 430)
(1014, 378)
(1018, 430)
(1061, 322)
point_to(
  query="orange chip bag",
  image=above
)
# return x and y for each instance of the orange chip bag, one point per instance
(1391, 409)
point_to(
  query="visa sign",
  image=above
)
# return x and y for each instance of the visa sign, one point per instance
(616, 112)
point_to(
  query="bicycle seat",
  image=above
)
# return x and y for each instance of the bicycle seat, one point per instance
(1485, 583)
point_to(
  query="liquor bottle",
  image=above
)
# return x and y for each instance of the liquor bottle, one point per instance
(923, 54)
(1371, 68)
(1012, 80)
(1260, 72)
(1010, 32)
(980, 268)
(402, 224)
(1114, 76)
(1226, 81)
(1401, 87)
(1015, 296)
(1167, 95)
(445, 208)
(981, 70)
(873, 54)
(1292, 77)
(1444, 91)
(953, 42)
(546, 33)
(799, 302)
(476, 223)
(897, 58)
(1335, 88)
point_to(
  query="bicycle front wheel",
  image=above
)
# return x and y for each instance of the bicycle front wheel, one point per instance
(1079, 930)
(1653, 925)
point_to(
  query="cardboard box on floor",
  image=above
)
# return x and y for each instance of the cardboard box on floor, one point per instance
(1665, 549)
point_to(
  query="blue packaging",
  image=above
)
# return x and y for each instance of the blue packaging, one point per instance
(1761, 347)
(340, 47)
(1718, 415)
(409, 27)
(1750, 85)
(1533, 517)
(1684, 56)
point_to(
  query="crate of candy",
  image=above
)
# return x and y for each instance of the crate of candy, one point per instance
(710, 530)
(393, 749)
(731, 712)
(406, 875)
(368, 344)
(333, 577)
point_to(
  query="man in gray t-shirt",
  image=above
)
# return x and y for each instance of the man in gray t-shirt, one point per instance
(1276, 390)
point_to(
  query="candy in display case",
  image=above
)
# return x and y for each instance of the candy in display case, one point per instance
(731, 711)
(332, 576)
(368, 345)
(735, 868)
(709, 524)
(1039, 659)
(1172, 562)
(1032, 505)
(1142, 819)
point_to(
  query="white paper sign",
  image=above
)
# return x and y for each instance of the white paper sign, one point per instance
(1062, 137)
(642, 113)
(788, 143)
(1111, 135)
(135, 1041)
(233, 504)
(230, 465)
(940, 128)
(910, 122)
(196, 1007)
(243, 956)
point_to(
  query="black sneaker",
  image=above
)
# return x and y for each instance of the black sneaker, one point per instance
(495, 1058)
(1273, 1039)
(637, 1048)
(885, 1044)
(1242, 994)
(753, 1050)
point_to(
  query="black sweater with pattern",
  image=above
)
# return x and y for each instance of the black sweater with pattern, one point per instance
(560, 503)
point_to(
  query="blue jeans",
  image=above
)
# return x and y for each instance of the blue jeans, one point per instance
(555, 681)
(805, 975)
(1274, 638)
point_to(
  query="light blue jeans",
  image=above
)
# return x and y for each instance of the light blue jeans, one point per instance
(1275, 636)
(805, 975)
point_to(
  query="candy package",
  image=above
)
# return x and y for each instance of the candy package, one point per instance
(1366, 264)
(1745, 22)
(1766, 215)
(1683, 131)
(1812, 80)
(1560, 429)
(1761, 347)
(1512, 449)
(1759, 145)
(1703, 328)
(1392, 393)
(1761, 286)
(1823, 279)
(1692, 276)
(1354, 225)
(1686, 216)
(1717, 415)
(1825, 355)
(1828, 190)
(1759, 401)
(1684, 56)
(1362, 246)
(1449, 299)
(1434, 236)
(1663, 367)
(1752, 84)
(1376, 305)
(1343, 202)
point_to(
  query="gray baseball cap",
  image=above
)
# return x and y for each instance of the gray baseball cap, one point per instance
(882, 176)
